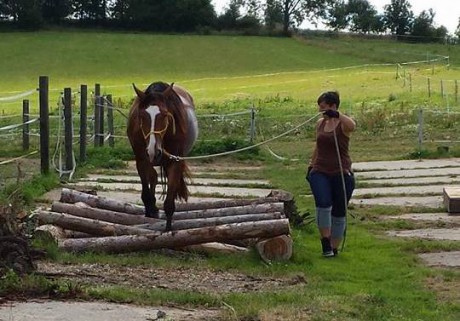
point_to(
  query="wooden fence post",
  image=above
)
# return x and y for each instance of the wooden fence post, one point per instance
(410, 82)
(101, 120)
(97, 118)
(25, 127)
(110, 127)
(442, 88)
(83, 120)
(252, 125)
(68, 135)
(44, 124)
(456, 91)
(420, 130)
(429, 87)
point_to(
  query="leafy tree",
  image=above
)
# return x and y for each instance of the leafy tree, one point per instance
(55, 10)
(273, 14)
(119, 9)
(296, 11)
(26, 13)
(457, 31)
(423, 26)
(228, 20)
(378, 23)
(338, 16)
(92, 10)
(362, 15)
(399, 17)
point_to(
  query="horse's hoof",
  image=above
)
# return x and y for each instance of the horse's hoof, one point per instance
(154, 214)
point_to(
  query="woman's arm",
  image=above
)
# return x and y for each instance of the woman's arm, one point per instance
(348, 124)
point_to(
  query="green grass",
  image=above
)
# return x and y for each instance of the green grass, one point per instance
(376, 278)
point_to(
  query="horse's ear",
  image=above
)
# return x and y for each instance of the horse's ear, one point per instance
(139, 92)
(168, 90)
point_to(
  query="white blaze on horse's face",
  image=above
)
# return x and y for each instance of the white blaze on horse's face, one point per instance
(153, 111)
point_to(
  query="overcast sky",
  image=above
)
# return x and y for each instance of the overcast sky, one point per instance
(447, 11)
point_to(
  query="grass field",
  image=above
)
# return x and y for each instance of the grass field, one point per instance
(380, 279)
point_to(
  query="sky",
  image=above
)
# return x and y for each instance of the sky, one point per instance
(447, 11)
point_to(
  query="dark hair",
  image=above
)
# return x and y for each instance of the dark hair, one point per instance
(330, 98)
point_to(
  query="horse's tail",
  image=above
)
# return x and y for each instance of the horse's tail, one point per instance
(182, 191)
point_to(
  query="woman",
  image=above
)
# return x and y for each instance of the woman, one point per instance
(329, 174)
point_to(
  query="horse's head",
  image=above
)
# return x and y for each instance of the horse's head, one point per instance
(155, 119)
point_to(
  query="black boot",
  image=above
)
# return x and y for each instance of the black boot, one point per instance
(327, 248)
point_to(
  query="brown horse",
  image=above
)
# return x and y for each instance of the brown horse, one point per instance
(162, 124)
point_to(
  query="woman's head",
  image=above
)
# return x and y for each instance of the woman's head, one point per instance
(329, 100)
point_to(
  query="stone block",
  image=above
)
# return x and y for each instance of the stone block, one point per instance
(451, 196)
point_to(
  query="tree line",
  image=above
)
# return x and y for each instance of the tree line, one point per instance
(242, 16)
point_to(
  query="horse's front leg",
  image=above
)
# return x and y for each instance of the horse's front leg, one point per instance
(169, 205)
(145, 169)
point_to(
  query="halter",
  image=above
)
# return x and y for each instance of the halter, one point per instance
(160, 132)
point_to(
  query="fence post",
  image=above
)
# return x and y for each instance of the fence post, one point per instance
(420, 130)
(68, 128)
(429, 87)
(97, 118)
(442, 88)
(110, 120)
(25, 127)
(83, 120)
(44, 124)
(410, 82)
(456, 91)
(252, 125)
(101, 120)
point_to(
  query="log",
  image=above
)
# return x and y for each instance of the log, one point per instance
(81, 209)
(227, 211)
(278, 248)
(178, 239)
(212, 221)
(90, 226)
(181, 207)
(72, 196)
(214, 247)
(49, 232)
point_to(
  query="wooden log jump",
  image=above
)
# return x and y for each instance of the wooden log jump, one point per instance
(107, 225)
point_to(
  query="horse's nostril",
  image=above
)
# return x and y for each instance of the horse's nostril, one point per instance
(158, 153)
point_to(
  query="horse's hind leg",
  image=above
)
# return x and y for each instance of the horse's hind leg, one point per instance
(144, 169)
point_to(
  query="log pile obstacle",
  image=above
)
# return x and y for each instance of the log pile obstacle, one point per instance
(85, 222)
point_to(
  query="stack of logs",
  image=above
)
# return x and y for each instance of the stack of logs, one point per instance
(84, 222)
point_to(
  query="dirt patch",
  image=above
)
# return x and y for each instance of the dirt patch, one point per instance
(446, 288)
(181, 278)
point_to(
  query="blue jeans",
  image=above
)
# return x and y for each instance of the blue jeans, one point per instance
(328, 191)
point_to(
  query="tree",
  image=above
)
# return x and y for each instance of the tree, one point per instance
(228, 20)
(457, 31)
(398, 17)
(362, 15)
(55, 10)
(273, 14)
(337, 16)
(90, 10)
(26, 13)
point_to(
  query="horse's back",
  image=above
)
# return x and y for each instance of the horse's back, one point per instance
(192, 123)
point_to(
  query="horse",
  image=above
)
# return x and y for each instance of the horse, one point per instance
(162, 128)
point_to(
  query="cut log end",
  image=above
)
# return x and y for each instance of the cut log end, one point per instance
(278, 248)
